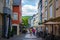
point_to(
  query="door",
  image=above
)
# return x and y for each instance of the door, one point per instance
(14, 29)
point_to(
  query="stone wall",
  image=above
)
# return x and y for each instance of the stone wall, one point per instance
(1, 6)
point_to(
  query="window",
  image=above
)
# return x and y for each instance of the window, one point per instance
(45, 15)
(56, 3)
(15, 16)
(7, 3)
(51, 14)
(46, 3)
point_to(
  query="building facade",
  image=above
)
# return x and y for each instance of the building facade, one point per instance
(7, 10)
(44, 15)
(1, 16)
(51, 16)
(40, 11)
(29, 22)
(57, 8)
(16, 16)
(32, 21)
(36, 20)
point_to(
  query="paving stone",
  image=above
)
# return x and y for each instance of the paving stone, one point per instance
(24, 37)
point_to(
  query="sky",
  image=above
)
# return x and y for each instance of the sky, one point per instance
(29, 7)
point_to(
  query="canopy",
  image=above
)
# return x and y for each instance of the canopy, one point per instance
(52, 23)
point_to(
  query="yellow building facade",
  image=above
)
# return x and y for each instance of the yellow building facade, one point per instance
(51, 16)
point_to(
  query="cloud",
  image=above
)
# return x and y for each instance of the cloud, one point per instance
(24, 1)
(30, 2)
(29, 10)
(29, 7)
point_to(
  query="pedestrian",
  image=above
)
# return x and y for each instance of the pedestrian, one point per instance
(30, 31)
(33, 30)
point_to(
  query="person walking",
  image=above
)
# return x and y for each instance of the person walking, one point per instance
(30, 31)
(33, 30)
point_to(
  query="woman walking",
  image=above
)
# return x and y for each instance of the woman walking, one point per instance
(33, 31)
(30, 31)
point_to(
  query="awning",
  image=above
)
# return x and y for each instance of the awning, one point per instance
(55, 19)
(52, 23)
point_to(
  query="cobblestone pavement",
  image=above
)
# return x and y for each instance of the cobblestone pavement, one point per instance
(24, 37)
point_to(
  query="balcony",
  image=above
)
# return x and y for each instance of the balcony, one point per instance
(7, 10)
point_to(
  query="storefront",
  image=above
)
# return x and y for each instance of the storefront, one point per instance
(7, 22)
(53, 26)
(6, 25)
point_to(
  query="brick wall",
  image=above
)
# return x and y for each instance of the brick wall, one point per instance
(17, 10)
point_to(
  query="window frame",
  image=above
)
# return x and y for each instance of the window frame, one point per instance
(15, 16)
(51, 11)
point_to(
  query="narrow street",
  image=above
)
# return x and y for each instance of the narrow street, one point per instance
(29, 37)
(29, 19)
(24, 37)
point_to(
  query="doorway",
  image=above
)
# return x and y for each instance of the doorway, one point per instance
(14, 29)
